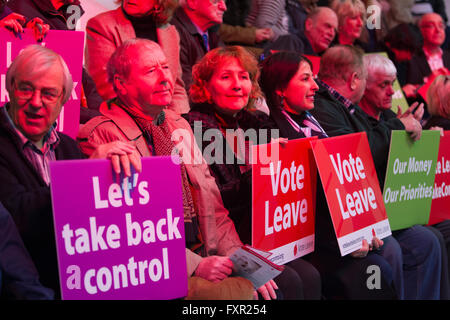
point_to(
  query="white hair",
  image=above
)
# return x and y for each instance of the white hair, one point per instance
(377, 63)
(36, 59)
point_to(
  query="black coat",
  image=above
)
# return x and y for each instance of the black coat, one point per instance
(192, 48)
(27, 197)
(418, 67)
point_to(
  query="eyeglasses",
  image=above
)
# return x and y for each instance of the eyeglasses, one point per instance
(439, 26)
(26, 92)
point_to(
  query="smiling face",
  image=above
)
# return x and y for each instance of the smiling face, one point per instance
(299, 93)
(34, 115)
(149, 85)
(352, 26)
(138, 8)
(230, 87)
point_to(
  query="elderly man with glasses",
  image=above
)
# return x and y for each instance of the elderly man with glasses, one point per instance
(39, 83)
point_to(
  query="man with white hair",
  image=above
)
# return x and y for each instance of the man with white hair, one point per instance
(342, 83)
(39, 83)
(377, 102)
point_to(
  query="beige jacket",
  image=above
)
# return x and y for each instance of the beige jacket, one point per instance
(107, 31)
(217, 229)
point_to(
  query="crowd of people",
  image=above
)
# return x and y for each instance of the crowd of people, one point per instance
(152, 67)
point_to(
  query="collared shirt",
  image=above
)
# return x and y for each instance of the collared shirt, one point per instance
(40, 159)
(338, 96)
(305, 123)
(434, 60)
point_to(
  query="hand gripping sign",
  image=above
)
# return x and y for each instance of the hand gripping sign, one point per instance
(283, 188)
(351, 187)
(119, 238)
(68, 44)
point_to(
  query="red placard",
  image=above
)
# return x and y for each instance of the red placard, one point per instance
(283, 189)
(315, 60)
(352, 190)
(440, 205)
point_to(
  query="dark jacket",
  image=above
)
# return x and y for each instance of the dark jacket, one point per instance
(27, 197)
(19, 277)
(418, 67)
(291, 42)
(337, 120)
(436, 121)
(235, 187)
(192, 48)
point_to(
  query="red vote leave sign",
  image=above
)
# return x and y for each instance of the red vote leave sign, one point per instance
(441, 193)
(352, 190)
(283, 192)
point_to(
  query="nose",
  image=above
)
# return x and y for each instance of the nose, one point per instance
(314, 85)
(237, 83)
(390, 91)
(36, 99)
(221, 5)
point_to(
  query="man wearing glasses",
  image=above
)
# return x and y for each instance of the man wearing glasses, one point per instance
(432, 59)
(39, 83)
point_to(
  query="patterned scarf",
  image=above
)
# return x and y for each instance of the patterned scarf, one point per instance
(163, 146)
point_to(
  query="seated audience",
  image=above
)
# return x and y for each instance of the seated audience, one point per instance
(134, 19)
(29, 141)
(377, 103)
(289, 87)
(342, 82)
(225, 84)
(139, 73)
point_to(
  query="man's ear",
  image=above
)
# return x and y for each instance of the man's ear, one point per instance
(352, 81)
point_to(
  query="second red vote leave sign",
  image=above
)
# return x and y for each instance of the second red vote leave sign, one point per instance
(283, 188)
(352, 190)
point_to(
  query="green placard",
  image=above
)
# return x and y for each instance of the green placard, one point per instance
(398, 98)
(408, 188)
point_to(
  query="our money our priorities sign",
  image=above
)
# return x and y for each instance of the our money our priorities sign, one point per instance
(69, 44)
(119, 238)
(283, 199)
(352, 190)
(408, 187)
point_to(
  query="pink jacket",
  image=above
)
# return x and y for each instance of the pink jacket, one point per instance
(107, 31)
(217, 229)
